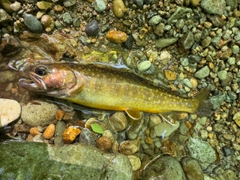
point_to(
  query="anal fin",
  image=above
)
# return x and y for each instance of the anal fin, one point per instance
(134, 114)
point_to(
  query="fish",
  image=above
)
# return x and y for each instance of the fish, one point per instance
(108, 87)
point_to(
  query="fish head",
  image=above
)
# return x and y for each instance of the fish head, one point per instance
(50, 79)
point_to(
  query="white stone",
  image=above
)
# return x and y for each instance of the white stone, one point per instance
(10, 110)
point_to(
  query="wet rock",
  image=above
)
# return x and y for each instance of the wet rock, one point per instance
(70, 134)
(42, 161)
(166, 168)
(10, 110)
(135, 162)
(34, 131)
(49, 132)
(69, 3)
(76, 22)
(16, 6)
(116, 36)
(119, 8)
(4, 17)
(206, 41)
(129, 42)
(99, 5)
(162, 42)
(165, 129)
(217, 100)
(202, 151)
(44, 5)
(179, 13)
(47, 22)
(59, 114)
(236, 118)
(129, 147)
(192, 169)
(118, 121)
(144, 66)
(92, 28)
(159, 29)
(59, 130)
(222, 75)
(10, 46)
(104, 143)
(232, 3)
(134, 129)
(170, 75)
(187, 41)
(213, 7)
(87, 137)
(32, 23)
(57, 8)
(217, 21)
(6, 5)
(38, 114)
(154, 20)
(195, 2)
(67, 18)
(229, 174)
(202, 73)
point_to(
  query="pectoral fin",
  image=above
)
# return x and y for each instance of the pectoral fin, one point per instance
(134, 114)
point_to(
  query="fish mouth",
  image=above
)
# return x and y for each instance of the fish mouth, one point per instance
(35, 83)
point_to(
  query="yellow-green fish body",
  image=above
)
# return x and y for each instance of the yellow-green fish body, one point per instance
(109, 88)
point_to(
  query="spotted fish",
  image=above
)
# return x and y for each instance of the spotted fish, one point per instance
(108, 88)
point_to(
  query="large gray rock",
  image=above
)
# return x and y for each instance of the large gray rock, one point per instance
(166, 168)
(202, 151)
(38, 114)
(24, 160)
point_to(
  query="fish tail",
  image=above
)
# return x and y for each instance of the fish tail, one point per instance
(205, 107)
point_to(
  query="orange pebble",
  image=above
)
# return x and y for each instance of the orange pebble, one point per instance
(34, 131)
(49, 132)
(116, 36)
(59, 114)
(70, 134)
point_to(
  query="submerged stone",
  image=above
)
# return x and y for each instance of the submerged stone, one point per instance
(22, 160)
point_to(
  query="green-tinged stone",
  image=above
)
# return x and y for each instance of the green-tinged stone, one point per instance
(202, 151)
(202, 73)
(179, 13)
(44, 5)
(67, 18)
(161, 43)
(222, 74)
(165, 129)
(217, 100)
(143, 66)
(154, 20)
(213, 6)
(23, 160)
(32, 23)
(187, 40)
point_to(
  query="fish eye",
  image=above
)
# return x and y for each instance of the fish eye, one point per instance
(41, 70)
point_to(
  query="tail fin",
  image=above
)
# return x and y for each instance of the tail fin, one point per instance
(205, 107)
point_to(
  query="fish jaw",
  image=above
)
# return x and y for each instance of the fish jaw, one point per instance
(35, 83)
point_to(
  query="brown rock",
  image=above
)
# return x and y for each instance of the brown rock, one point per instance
(104, 143)
(116, 36)
(59, 114)
(49, 132)
(70, 134)
(170, 75)
(34, 131)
